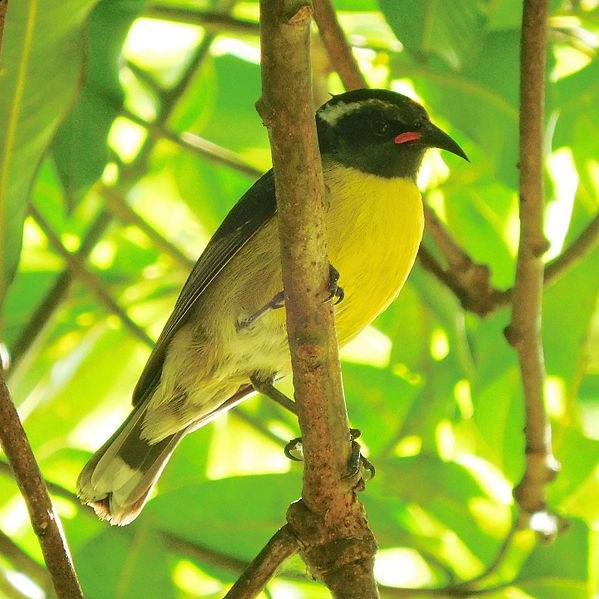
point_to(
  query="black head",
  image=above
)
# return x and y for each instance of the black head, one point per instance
(379, 132)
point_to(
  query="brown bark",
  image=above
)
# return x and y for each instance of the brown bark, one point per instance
(44, 519)
(329, 521)
(524, 331)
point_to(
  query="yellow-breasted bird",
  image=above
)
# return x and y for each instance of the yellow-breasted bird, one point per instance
(225, 336)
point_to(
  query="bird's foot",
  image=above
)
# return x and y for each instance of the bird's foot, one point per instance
(335, 291)
(278, 301)
(361, 470)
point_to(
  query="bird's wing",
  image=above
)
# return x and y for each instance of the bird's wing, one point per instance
(254, 209)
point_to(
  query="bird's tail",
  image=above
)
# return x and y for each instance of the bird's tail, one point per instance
(118, 478)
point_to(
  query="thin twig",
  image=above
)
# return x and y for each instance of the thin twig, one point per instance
(173, 541)
(53, 488)
(493, 567)
(258, 425)
(9, 590)
(44, 519)
(118, 206)
(213, 22)
(263, 567)
(569, 257)
(202, 554)
(146, 78)
(41, 317)
(198, 145)
(524, 331)
(438, 593)
(579, 248)
(339, 51)
(24, 563)
(471, 282)
(91, 282)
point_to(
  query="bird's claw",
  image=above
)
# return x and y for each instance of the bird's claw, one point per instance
(294, 450)
(361, 470)
(277, 302)
(335, 291)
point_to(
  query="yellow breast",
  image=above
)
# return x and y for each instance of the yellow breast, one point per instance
(374, 228)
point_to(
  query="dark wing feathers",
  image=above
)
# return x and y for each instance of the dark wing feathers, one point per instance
(254, 209)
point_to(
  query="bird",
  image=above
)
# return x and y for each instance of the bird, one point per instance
(226, 337)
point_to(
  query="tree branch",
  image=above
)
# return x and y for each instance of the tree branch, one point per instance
(470, 281)
(92, 282)
(55, 296)
(211, 21)
(524, 331)
(280, 547)
(23, 562)
(8, 590)
(329, 522)
(339, 51)
(198, 145)
(123, 212)
(581, 246)
(44, 520)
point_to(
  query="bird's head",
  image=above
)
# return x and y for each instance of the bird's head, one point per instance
(379, 132)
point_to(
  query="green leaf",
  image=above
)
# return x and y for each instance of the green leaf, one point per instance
(122, 565)
(454, 31)
(577, 456)
(244, 132)
(39, 74)
(554, 559)
(80, 149)
(481, 101)
(477, 214)
(374, 397)
(505, 14)
(566, 343)
(252, 506)
(578, 123)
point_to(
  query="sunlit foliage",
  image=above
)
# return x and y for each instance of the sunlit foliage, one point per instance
(159, 143)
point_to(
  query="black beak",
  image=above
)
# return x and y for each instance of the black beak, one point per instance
(433, 137)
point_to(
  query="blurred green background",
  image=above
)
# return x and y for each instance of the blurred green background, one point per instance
(128, 130)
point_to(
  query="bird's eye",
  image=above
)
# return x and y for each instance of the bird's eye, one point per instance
(418, 123)
(379, 127)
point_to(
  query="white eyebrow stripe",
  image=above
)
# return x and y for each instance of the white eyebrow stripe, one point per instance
(332, 114)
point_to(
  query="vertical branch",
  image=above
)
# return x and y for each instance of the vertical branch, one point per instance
(329, 521)
(44, 520)
(524, 332)
(338, 49)
(301, 213)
